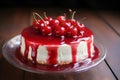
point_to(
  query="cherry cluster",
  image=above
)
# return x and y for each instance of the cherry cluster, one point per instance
(58, 27)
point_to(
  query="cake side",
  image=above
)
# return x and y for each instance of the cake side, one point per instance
(55, 51)
(56, 41)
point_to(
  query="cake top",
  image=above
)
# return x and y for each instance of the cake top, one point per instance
(59, 26)
(59, 30)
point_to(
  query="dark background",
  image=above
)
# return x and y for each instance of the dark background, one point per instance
(85, 4)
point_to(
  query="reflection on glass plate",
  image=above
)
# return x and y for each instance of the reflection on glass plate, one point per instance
(9, 52)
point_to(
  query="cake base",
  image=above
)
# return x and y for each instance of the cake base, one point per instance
(11, 49)
(43, 49)
(57, 67)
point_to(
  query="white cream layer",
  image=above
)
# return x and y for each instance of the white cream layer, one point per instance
(64, 52)
(22, 46)
(82, 51)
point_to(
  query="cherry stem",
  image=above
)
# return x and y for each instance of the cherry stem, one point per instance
(70, 10)
(65, 15)
(34, 13)
(34, 16)
(73, 14)
(45, 15)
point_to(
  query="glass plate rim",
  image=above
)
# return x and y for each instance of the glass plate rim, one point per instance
(102, 49)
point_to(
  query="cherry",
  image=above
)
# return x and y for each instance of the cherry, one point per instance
(48, 18)
(46, 22)
(36, 23)
(73, 31)
(72, 21)
(59, 26)
(79, 24)
(61, 18)
(41, 23)
(82, 25)
(46, 30)
(54, 23)
(59, 31)
(79, 27)
(65, 24)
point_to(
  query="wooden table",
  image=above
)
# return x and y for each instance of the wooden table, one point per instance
(104, 24)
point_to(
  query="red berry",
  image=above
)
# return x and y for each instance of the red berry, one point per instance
(54, 23)
(73, 31)
(59, 26)
(72, 21)
(48, 18)
(79, 26)
(36, 23)
(65, 24)
(61, 18)
(46, 22)
(41, 23)
(46, 30)
(59, 31)
(82, 25)
(69, 27)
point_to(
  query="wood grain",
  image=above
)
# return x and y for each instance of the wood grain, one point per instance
(112, 19)
(102, 70)
(12, 22)
(106, 36)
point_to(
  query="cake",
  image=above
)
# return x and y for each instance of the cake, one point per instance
(59, 41)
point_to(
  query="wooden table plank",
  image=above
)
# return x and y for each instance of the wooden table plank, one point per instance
(105, 35)
(19, 18)
(7, 71)
(1, 43)
(12, 22)
(112, 18)
(100, 72)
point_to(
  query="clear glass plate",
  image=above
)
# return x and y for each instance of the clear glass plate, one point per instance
(9, 53)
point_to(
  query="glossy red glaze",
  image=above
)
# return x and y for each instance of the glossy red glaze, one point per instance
(34, 38)
(55, 67)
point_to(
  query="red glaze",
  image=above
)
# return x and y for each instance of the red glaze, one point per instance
(89, 53)
(52, 52)
(74, 52)
(34, 38)
(55, 67)
(26, 51)
(33, 35)
(34, 53)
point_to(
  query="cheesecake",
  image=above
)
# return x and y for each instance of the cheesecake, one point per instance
(59, 41)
